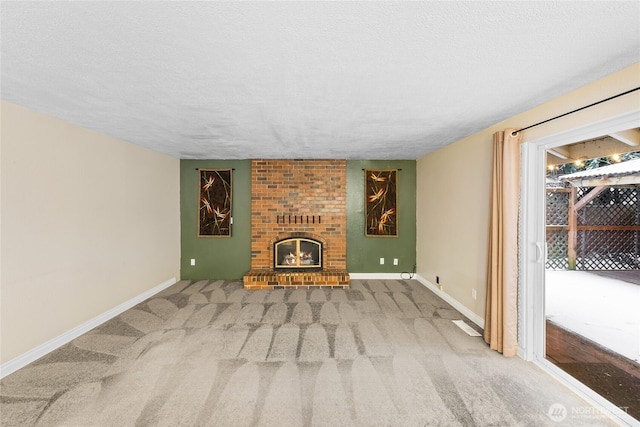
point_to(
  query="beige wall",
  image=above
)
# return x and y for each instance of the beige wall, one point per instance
(453, 186)
(88, 222)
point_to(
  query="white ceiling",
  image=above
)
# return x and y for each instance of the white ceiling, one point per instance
(351, 80)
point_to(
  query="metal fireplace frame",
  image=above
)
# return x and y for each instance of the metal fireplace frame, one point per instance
(294, 261)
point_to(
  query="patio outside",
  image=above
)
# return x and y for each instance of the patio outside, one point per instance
(592, 281)
(602, 309)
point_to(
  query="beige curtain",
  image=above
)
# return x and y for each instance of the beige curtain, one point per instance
(501, 307)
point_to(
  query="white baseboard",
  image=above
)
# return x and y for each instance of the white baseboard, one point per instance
(451, 300)
(376, 276)
(21, 361)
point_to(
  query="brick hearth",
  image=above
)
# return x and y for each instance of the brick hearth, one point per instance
(298, 198)
(269, 279)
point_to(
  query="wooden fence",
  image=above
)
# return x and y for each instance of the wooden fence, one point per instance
(593, 232)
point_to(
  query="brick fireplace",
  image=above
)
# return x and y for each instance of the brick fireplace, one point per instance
(301, 199)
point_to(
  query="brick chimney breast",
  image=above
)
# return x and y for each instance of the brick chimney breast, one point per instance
(299, 198)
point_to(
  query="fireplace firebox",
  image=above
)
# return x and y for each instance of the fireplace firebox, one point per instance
(297, 253)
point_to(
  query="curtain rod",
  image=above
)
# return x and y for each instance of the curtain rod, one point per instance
(515, 132)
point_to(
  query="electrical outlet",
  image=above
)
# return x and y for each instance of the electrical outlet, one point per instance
(395, 261)
(381, 261)
(437, 280)
(473, 294)
(193, 261)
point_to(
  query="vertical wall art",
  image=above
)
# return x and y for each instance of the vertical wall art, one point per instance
(381, 212)
(214, 213)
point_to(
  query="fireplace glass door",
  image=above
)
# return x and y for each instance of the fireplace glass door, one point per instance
(298, 253)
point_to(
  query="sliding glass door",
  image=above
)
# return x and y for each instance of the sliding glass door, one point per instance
(556, 299)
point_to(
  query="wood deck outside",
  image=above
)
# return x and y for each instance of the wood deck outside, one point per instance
(611, 375)
(631, 276)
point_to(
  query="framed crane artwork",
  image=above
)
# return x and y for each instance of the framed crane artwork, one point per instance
(381, 200)
(214, 203)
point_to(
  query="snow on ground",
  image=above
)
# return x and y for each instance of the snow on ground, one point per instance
(604, 310)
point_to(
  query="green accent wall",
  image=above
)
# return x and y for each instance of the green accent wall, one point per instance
(227, 258)
(364, 253)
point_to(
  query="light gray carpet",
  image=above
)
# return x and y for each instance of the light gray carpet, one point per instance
(209, 353)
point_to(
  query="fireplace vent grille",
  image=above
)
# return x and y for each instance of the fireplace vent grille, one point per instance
(298, 219)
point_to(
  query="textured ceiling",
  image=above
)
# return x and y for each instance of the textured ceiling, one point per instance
(375, 80)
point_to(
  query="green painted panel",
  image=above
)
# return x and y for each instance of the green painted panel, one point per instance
(364, 253)
(216, 257)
